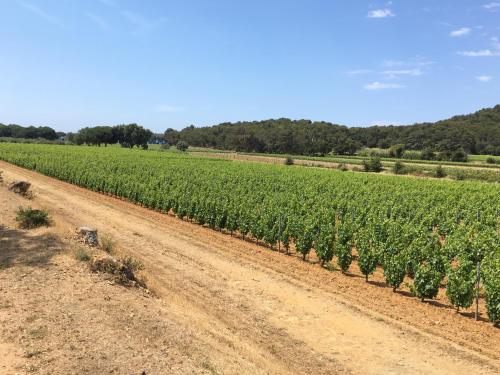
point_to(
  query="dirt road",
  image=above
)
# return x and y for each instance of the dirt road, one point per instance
(258, 311)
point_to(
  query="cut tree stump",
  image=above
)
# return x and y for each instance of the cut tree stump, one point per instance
(20, 187)
(89, 235)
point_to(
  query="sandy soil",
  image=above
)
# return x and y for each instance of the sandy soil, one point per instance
(224, 305)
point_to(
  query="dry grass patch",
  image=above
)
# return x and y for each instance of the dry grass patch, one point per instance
(107, 244)
(81, 254)
(122, 271)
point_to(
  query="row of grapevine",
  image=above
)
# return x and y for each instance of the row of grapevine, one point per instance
(427, 230)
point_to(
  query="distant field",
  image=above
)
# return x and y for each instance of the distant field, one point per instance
(476, 162)
(457, 171)
(482, 158)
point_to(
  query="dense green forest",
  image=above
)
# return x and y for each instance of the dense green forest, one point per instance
(30, 132)
(126, 135)
(477, 133)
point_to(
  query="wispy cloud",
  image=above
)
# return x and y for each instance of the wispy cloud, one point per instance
(418, 61)
(392, 70)
(484, 78)
(495, 42)
(98, 21)
(488, 52)
(492, 6)
(165, 108)
(380, 13)
(480, 53)
(41, 13)
(403, 72)
(358, 72)
(142, 24)
(382, 86)
(460, 32)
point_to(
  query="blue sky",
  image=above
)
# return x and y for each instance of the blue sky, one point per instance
(75, 63)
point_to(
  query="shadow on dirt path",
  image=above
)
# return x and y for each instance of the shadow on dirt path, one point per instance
(32, 249)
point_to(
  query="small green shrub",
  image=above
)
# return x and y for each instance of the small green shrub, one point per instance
(440, 173)
(428, 154)
(182, 146)
(82, 255)
(396, 151)
(372, 165)
(107, 244)
(164, 147)
(459, 156)
(489, 160)
(133, 264)
(398, 168)
(342, 167)
(29, 218)
(460, 176)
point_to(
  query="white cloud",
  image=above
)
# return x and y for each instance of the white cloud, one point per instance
(418, 61)
(380, 13)
(484, 78)
(489, 52)
(165, 108)
(480, 53)
(382, 86)
(460, 32)
(357, 72)
(492, 6)
(41, 13)
(402, 72)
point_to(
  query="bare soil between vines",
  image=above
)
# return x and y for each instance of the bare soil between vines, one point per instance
(223, 305)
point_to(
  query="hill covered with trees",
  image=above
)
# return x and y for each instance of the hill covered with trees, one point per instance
(477, 133)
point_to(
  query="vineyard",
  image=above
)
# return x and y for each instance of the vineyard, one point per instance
(433, 232)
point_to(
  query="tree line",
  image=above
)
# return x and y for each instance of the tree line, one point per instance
(126, 135)
(452, 139)
(477, 133)
(29, 132)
